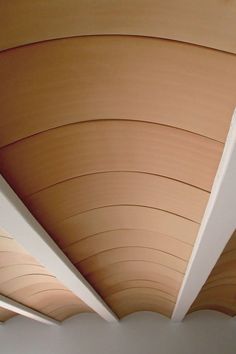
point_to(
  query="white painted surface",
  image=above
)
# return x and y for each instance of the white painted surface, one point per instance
(14, 306)
(218, 224)
(16, 219)
(204, 332)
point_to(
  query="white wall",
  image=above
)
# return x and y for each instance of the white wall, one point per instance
(204, 332)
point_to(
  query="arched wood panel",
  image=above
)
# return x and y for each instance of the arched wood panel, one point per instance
(133, 300)
(142, 219)
(209, 23)
(113, 143)
(115, 188)
(113, 239)
(107, 278)
(75, 150)
(26, 281)
(114, 255)
(114, 77)
(219, 291)
(170, 290)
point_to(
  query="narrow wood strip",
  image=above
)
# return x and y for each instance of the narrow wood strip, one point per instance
(185, 21)
(107, 257)
(133, 300)
(126, 238)
(131, 85)
(113, 188)
(134, 146)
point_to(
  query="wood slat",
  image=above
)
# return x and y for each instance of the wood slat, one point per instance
(114, 188)
(90, 78)
(209, 23)
(51, 157)
(133, 300)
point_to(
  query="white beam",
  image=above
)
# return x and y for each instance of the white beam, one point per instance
(16, 219)
(218, 224)
(16, 307)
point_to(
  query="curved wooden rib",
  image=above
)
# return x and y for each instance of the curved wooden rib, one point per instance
(89, 78)
(16, 284)
(42, 300)
(182, 20)
(34, 288)
(219, 292)
(105, 279)
(59, 154)
(126, 218)
(114, 255)
(19, 270)
(170, 290)
(22, 279)
(101, 242)
(133, 300)
(114, 188)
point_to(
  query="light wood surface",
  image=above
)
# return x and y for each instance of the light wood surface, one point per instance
(133, 300)
(219, 291)
(80, 79)
(209, 23)
(115, 188)
(74, 150)
(27, 282)
(114, 218)
(113, 143)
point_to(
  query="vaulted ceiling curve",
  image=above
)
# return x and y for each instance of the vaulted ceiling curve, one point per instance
(111, 133)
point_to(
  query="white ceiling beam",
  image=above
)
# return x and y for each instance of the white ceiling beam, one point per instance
(218, 224)
(16, 307)
(16, 219)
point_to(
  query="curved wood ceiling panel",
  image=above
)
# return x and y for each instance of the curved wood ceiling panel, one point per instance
(24, 280)
(219, 291)
(114, 77)
(114, 255)
(56, 155)
(115, 188)
(120, 217)
(170, 290)
(208, 22)
(113, 239)
(107, 277)
(133, 300)
(113, 143)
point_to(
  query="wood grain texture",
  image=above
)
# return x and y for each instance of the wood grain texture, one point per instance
(209, 23)
(114, 77)
(110, 219)
(27, 282)
(113, 239)
(114, 255)
(115, 188)
(59, 154)
(133, 300)
(219, 291)
(113, 143)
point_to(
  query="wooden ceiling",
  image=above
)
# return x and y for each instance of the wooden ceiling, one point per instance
(24, 280)
(219, 292)
(113, 122)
